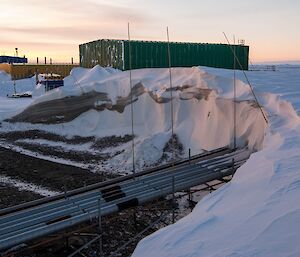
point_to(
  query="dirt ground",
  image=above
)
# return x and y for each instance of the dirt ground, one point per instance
(10, 196)
(117, 229)
(54, 176)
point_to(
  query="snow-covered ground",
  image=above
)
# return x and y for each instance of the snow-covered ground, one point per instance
(203, 112)
(258, 212)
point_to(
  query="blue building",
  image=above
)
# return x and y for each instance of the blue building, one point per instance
(12, 59)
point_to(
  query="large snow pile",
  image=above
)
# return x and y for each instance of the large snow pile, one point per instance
(258, 212)
(203, 111)
(11, 107)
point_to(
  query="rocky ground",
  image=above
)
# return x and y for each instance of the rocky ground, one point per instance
(51, 175)
(88, 152)
(10, 196)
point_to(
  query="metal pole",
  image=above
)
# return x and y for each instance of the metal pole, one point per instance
(247, 79)
(15, 89)
(131, 100)
(100, 228)
(137, 235)
(36, 76)
(51, 69)
(65, 191)
(171, 90)
(190, 199)
(84, 246)
(173, 199)
(189, 155)
(234, 97)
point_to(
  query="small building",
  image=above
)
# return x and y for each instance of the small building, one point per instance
(154, 54)
(12, 59)
(51, 81)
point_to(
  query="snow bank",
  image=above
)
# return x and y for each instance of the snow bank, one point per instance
(116, 83)
(258, 212)
(4, 76)
(80, 80)
(203, 111)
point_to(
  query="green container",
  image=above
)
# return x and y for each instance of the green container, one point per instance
(149, 54)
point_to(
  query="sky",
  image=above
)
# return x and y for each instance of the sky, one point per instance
(55, 28)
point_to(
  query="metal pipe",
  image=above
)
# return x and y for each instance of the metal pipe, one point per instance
(171, 102)
(141, 190)
(157, 177)
(131, 99)
(20, 207)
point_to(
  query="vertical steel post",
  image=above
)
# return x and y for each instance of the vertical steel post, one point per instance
(247, 79)
(189, 155)
(173, 199)
(234, 96)
(131, 100)
(100, 227)
(190, 199)
(36, 76)
(15, 89)
(65, 191)
(171, 90)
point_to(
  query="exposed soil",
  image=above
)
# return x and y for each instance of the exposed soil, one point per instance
(60, 110)
(39, 134)
(10, 196)
(59, 152)
(172, 149)
(111, 141)
(68, 108)
(90, 158)
(117, 229)
(53, 176)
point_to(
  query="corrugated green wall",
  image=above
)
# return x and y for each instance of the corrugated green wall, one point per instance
(103, 52)
(148, 54)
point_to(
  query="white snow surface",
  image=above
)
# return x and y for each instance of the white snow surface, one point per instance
(258, 212)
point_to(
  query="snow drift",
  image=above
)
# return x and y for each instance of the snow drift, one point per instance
(258, 212)
(96, 102)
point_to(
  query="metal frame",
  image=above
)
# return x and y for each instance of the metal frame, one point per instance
(41, 220)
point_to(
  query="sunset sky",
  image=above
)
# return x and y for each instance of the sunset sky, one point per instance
(55, 28)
